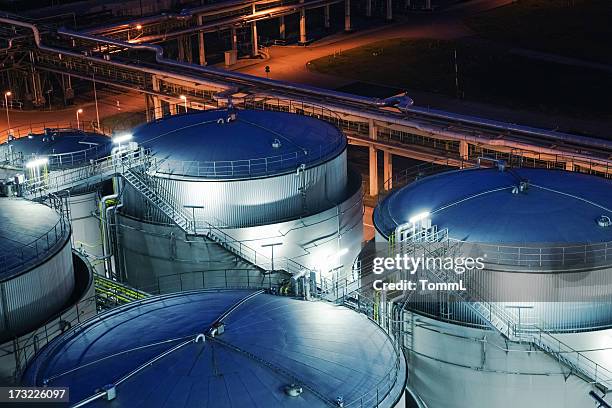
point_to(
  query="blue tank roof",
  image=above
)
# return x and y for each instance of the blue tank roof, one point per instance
(23, 236)
(66, 147)
(477, 205)
(257, 143)
(269, 342)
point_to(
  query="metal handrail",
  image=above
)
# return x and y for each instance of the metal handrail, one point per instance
(62, 160)
(29, 346)
(23, 254)
(61, 179)
(549, 258)
(388, 381)
(533, 333)
(242, 168)
(205, 227)
(39, 128)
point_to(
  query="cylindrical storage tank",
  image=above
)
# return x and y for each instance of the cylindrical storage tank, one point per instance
(36, 270)
(225, 349)
(545, 241)
(79, 307)
(276, 182)
(65, 149)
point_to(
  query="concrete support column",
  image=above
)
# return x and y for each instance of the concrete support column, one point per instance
(281, 28)
(387, 170)
(234, 39)
(326, 15)
(148, 108)
(173, 108)
(180, 43)
(347, 15)
(303, 25)
(157, 106)
(254, 46)
(373, 132)
(201, 49)
(464, 150)
(368, 8)
(569, 166)
(389, 10)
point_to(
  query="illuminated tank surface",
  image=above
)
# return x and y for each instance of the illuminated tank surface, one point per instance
(256, 143)
(268, 343)
(478, 205)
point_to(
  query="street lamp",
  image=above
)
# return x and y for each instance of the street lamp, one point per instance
(8, 119)
(184, 98)
(79, 111)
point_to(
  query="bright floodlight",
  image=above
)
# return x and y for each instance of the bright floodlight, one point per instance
(122, 138)
(183, 97)
(41, 161)
(8, 93)
(342, 252)
(80, 111)
(138, 27)
(418, 217)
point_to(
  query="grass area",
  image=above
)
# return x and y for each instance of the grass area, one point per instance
(124, 120)
(575, 28)
(488, 75)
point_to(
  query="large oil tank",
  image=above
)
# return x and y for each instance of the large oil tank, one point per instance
(62, 149)
(546, 240)
(225, 349)
(36, 270)
(276, 182)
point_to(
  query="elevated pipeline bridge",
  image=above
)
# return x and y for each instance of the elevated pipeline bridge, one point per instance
(390, 125)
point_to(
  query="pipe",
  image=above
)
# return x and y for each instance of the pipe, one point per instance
(449, 134)
(153, 71)
(105, 233)
(270, 13)
(510, 127)
(191, 13)
(231, 75)
(325, 94)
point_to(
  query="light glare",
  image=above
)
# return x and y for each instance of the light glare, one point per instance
(122, 138)
(418, 217)
(41, 161)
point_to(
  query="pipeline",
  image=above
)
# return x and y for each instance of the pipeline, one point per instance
(227, 75)
(325, 94)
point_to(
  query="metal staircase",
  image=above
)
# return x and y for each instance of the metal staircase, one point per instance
(132, 165)
(506, 323)
(162, 199)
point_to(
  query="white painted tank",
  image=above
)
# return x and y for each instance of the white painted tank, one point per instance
(262, 177)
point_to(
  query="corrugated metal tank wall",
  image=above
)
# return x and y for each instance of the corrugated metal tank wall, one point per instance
(86, 234)
(245, 203)
(31, 297)
(158, 257)
(456, 367)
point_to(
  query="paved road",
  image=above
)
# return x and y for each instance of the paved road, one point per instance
(107, 105)
(290, 63)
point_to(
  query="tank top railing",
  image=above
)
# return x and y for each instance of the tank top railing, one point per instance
(30, 252)
(506, 323)
(97, 170)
